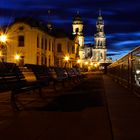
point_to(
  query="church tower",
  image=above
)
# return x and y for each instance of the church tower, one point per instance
(78, 30)
(99, 50)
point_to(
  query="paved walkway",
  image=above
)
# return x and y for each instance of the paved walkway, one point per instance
(96, 109)
(124, 111)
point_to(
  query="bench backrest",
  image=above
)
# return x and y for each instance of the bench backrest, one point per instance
(41, 72)
(61, 73)
(70, 72)
(10, 77)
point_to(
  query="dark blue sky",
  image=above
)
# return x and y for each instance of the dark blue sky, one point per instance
(121, 17)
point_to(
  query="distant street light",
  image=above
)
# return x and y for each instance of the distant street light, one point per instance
(91, 64)
(66, 58)
(17, 57)
(86, 63)
(78, 61)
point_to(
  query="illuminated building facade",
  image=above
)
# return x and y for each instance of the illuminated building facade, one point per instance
(65, 46)
(99, 50)
(78, 30)
(35, 43)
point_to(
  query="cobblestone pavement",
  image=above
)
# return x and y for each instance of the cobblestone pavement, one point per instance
(82, 111)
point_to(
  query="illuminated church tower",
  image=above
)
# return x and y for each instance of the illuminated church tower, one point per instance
(78, 30)
(99, 50)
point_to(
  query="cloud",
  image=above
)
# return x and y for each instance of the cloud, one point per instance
(127, 42)
(121, 18)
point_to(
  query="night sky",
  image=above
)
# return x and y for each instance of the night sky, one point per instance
(121, 17)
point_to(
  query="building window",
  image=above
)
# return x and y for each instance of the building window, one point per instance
(59, 47)
(77, 30)
(49, 60)
(21, 28)
(21, 41)
(37, 59)
(37, 42)
(49, 45)
(45, 60)
(73, 49)
(42, 43)
(45, 44)
(52, 46)
(42, 60)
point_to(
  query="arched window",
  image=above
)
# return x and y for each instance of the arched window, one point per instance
(77, 30)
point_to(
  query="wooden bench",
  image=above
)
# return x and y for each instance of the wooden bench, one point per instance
(62, 76)
(71, 74)
(12, 80)
(80, 75)
(42, 74)
(46, 75)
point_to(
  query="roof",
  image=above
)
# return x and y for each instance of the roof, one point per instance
(77, 18)
(34, 22)
(60, 33)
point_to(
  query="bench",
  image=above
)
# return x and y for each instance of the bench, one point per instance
(71, 74)
(79, 74)
(41, 73)
(62, 76)
(12, 80)
(46, 75)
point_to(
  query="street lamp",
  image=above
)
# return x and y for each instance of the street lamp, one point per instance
(3, 39)
(86, 63)
(17, 57)
(78, 61)
(66, 58)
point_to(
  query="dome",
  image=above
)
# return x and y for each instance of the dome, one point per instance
(100, 20)
(77, 19)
